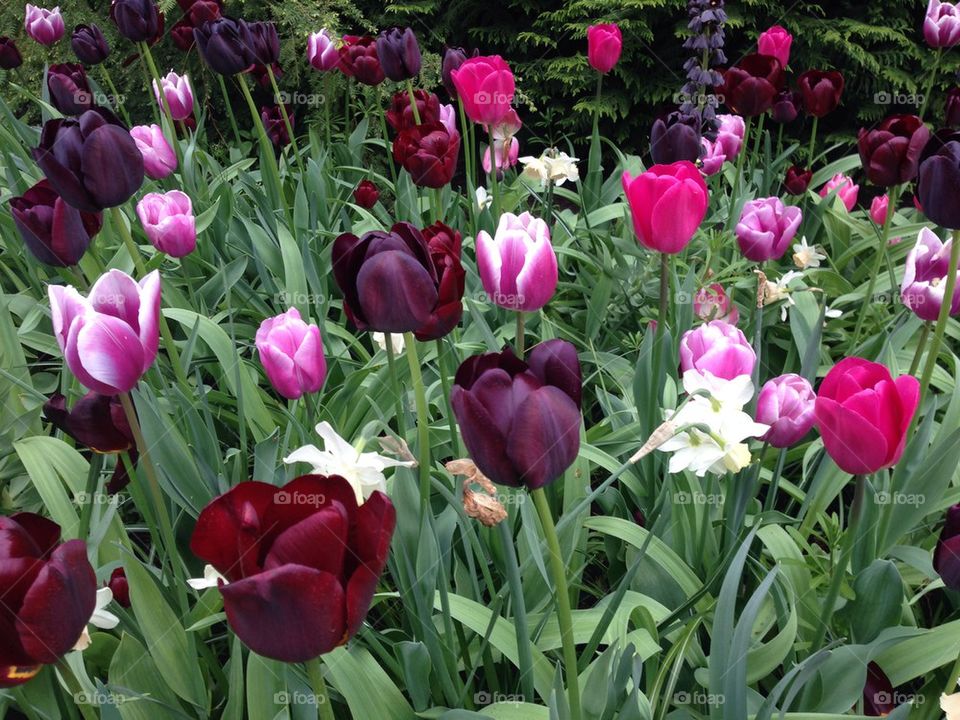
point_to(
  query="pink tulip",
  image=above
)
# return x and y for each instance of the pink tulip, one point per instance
(846, 190)
(925, 277)
(668, 203)
(766, 228)
(448, 118)
(518, 266)
(109, 338)
(725, 147)
(507, 152)
(168, 220)
(776, 42)
(179, 95)
(44, 26)
(863, 414)
(713, 303)
(291, 352)
(941, 25)
(486, 87)
(878, 209)
(712, 156)
(159, 160)
(717, 348)
(786, 404)
(322, 51)
(604, 45)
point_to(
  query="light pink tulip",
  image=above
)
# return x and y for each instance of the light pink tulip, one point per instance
(159, 160)
(448, 118)
(878, 209)
(776, 42)
(846, 190)
(766, 228)
(668, 203)
(786, 404)
(941, 25)
(44, 26)
(322, 51)
(518, 266)
(168, 220)
(507, 152)
(730, 134)
(179, 95)
(291, 352)
(717, 348)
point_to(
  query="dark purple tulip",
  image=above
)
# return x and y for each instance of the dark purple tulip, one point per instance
(890, 151)
(136, 20)
(69, 88)
(274, 124)
(750, 87)
(264, 42)
(399, 54)
(521, 420)
(10, 57)
(938, 185)
(946, 556)
(797, 180)
(91, 160)
(786, 107)
(953, 107)
(453, 58)
(89, 44)
(675, 137)
(878, 693)
(55, 233)
(821, 91)
(223, 45)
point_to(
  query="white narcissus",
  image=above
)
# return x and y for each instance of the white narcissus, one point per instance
(950, 704)
(101, 618)
(211, 579)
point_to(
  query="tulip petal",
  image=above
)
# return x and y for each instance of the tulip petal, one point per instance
(946, 561)
(375, 521)
(302, 497)
(482, 438)
(556, 363)
(106, 355)
(396, 292)
(545, 437)
(44, 533)
(319, 541)
(855, 446)
(677, 215)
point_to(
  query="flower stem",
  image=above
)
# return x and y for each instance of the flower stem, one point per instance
(519, 611)
(813, 140)
(445, 383)
(265, 144)
(229, 108)
(520, 334)
(286, 120)
(928, 88)
(738, 176)
(423, 419)
(944, 317)
(164, 104)
(116, 96)
(319, 685)
(494, 183)
(76, 690)
(413, 102)
(564, 614)
(878, 261)
(395, 386)
(386, 140)
(664, 293)
(915, 365)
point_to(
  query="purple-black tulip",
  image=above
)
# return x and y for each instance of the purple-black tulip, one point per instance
(786, 107)
(938, 186)
(89, 44)
(399, 54)
(55, 233)
(136, 20)
(10, 57)
(264, 42)
(69, 88)
(946, 556)
(453, 58)
(223, 45)
(675, 137)
(890, 151)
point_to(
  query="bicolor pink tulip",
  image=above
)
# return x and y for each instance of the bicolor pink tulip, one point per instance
(776, 42)
(291, 352)
(717, 348)
(847, 191)
(766, 228)
(786, 404)
(604, 45)
(941, 25)
(726, 146)
(44, 26)
(322, 51)
(863, 414)
(109, 338)
(505, 143)
(518, 266)
(168, 220)
(668, 203)
(179, 95)
(159, 159)
(878, 209)
(925, 277)
(713, 303)
(485, 86)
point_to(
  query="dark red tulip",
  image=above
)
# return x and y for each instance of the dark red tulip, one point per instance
(675, 137)
(952, 111)
(54, 232)
(120, 587)
(136, 20)
(797, 180)
(195, 14)
(224, 45)
(303, 561)
(399, 54)
(275, 126)
(49, 592)
(366, 194)
(359, 60)
(890, 151)
(89, 44)
(453, 58)
(750, 87)
(429, 153)
(69, 88)
(938, 185)
(878, 693)
(91, 160)
(264, 42)
(787, 105)
(400, 114)
(821, 90)
(445, 246)
(521, 420)
(10, 57)
(946, 556)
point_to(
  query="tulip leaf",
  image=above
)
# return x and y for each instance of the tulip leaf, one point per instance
(137, 687)
(57, 472)
(295, 280)
(368, 690)
(265, 687)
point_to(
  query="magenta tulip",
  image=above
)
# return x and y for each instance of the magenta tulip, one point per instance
(178, 93)
(775, 42)
(291, 352)
(668, 203)
(518, 266)
(878, 209)
(941, 25)
(925, 277)
(717, 348)
(322, 51)
(786, 405)
(159, 159)
(168, 220)
(485, 86)
(846, 190)
(604, 45)
(44, 26)
(766, 228)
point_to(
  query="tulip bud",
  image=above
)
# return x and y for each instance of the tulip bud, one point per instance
(668, 203)
(359, 60)
(168, 222)
(263, 42)
(322, 51)
(55, 233)
(178, 94)
(429, 153)
(890, 151)
(120, 587)
(224, 45)
(10, 57)
(878, 209)
(797, 180)
(713, 303)
(518, 266)
(786, 107)
(604, 45)
(937, 185)
(776, 42)
(366, 194)
(952, 111)
(136, 20)
(925, 277)
(941, 24)
(399, 54)
(506, 153)
(159, 159)
(44, 26)
(946, 556)
(453, 58)
(69, 88)
(89, 44)
(821, 90)
(718, 349)
(485, 86)
(750, 87)
(786, 405)
(675, 137)
(846, 190)
(291, 352)
(275, 125)
(766, 228)
(445, 247)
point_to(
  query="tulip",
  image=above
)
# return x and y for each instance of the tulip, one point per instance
(952, 110)
(890, 151)
(109, 338)
(119, 587)
(89, 44)
(925, 277)
(485, 86)
(69, 88)
(712, 157)
(713, 303)
(223, 45)
(302, 561)
(275, 125)
(878, 693)
(359, 60)
(786, 107)
(520, 420)
(168, 221)
(776, 42)
(797, 180)
(821, 90)
(750, 87)
(718, 349)
(668, 203)
(400, 113)
(941, 25)
(399, 54)
(54, 232)
(91, 161)
(391, 281)
(159, 159)
(44, 26)
(291, 353)
(10, 57)
(725, 147)
(195, 14)
(366, 194)
(863, 415)
(518, 266)
(453, 58)
(506, 152)
(786, 405)
(264, 43)
(49, 592)
(766, 228)
(604, 45)
(675, 137)
(178, 94)
(136, 20)
(946, 556)
(939, 185)
(846, 190)
(445, 246)
(429, 153)
(322, 51)
(878, 209)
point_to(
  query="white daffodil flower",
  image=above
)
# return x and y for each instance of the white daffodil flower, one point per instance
(364, 471)
(484, 199)
(396, 342)
(807, 256)
(101, 618)
(950, 704)
(730, 394)
(211, 579)
(553, 166)
(776, 290)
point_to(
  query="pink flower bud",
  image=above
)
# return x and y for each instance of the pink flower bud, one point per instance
(717, 348)
(766, 228)
(786, 405)
(168, 220)
(159, 160)
(322, 51)
(291, 352)
(604, 45)
(776, 42)
(518, 266)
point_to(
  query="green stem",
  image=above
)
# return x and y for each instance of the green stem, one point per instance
(878, 261)
(286, 120)
(386, 140)
(664, 293)
(229, 107)
(520, 334)
(116, 96)
(494, 183)
(326, 106)
(445, 383)
(775, 481)
(944, 316)
(413, 102)
(915, 365)
(319, 685)
(90, 492)
(519, 610)
(265, 144)
(423, 419)
(954, 676)
(164, 104)
(928, 88)
(738, 176)
(395, 387)
(564, 613)
(813, 140)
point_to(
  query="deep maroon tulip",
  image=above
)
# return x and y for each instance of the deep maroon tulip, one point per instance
(10, 57)
(400, 114)
(429, 153)
(391, 281)
(675, 137)
(444, 244)
(786, 107)
(224, 45)
(49, 593)
(136, 20)
(89, 44)
(399, 54)
(453, 58)
(366, 194)
(302, 561)
(91, 161)
(521, 420)
(264, 42)
(890, 151)
(946, 556)
(938, 185)
(750, 87)
(54, 232)
(821, 90)
(195, 14)
(69, 88)
(273, 123)
(797, 180)
(120, 587)
(878, 693)
(359, 60)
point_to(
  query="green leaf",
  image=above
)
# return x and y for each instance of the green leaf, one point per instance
(368, 690)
